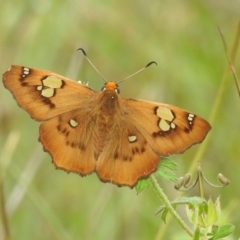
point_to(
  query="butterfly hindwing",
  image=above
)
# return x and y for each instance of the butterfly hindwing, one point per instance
(44, 94)
(127, 157)
(69, 140)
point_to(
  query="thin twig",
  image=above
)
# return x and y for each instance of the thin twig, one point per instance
(233, 54)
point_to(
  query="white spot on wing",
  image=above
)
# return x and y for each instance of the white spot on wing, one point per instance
(83, 83)
(190, 118)
(25, 72)
(73, 123)
(132, 138)
(39, 88)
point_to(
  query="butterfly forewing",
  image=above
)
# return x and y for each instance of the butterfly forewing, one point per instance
(44, 94)
(121, 140)
(168, 129)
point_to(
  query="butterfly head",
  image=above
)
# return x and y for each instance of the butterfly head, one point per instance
(111, 86)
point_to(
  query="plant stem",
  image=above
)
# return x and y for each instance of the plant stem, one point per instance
(5, 226)
(169, 206)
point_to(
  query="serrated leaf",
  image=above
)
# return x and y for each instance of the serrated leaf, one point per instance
(224, 231)
(203, 208)
(189, 200)
(142, 184)
(183, 200)
(160, 209)
(167, 162)
(165, 169)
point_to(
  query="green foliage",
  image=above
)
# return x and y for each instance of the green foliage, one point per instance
(191, 201)
(222, 231)
(165, 170)
(203, 215)
(142, 184)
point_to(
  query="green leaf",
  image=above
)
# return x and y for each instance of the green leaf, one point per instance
(212, 213)
(224, 231)
(166, 168)
(190, 214)
(142, 184)
(167, 162)
(196, 235)
(189, 200)
(164, 215)
(183, 200)
(218, 206)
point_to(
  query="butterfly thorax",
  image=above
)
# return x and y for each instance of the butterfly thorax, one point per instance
(107, 109)
(108, 102)
(108, 99)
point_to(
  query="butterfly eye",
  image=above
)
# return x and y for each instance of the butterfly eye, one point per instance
(103, 88)
(117, 90)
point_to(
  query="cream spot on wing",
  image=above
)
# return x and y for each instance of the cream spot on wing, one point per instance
(164, 125)
(48, 92)
(73, 123)
(165, 113)
(132, 138)
(52, 82)
(166, 118)
(49, 85)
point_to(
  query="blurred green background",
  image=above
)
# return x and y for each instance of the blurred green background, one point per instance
(119, 37)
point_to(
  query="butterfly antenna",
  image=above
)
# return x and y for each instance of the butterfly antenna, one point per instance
(149, 64)
(85, 55)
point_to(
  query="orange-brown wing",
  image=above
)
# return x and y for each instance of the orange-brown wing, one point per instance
(168, 129)
(64, 106)
(142, 133)
(69, 139)
(127, 156)
(44, 94)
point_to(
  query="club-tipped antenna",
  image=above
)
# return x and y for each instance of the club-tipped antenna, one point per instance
(85, 55)
(150, 63)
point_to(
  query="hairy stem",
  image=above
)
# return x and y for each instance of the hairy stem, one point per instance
(169, 206)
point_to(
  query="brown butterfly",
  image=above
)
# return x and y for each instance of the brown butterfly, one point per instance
(121, 139)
